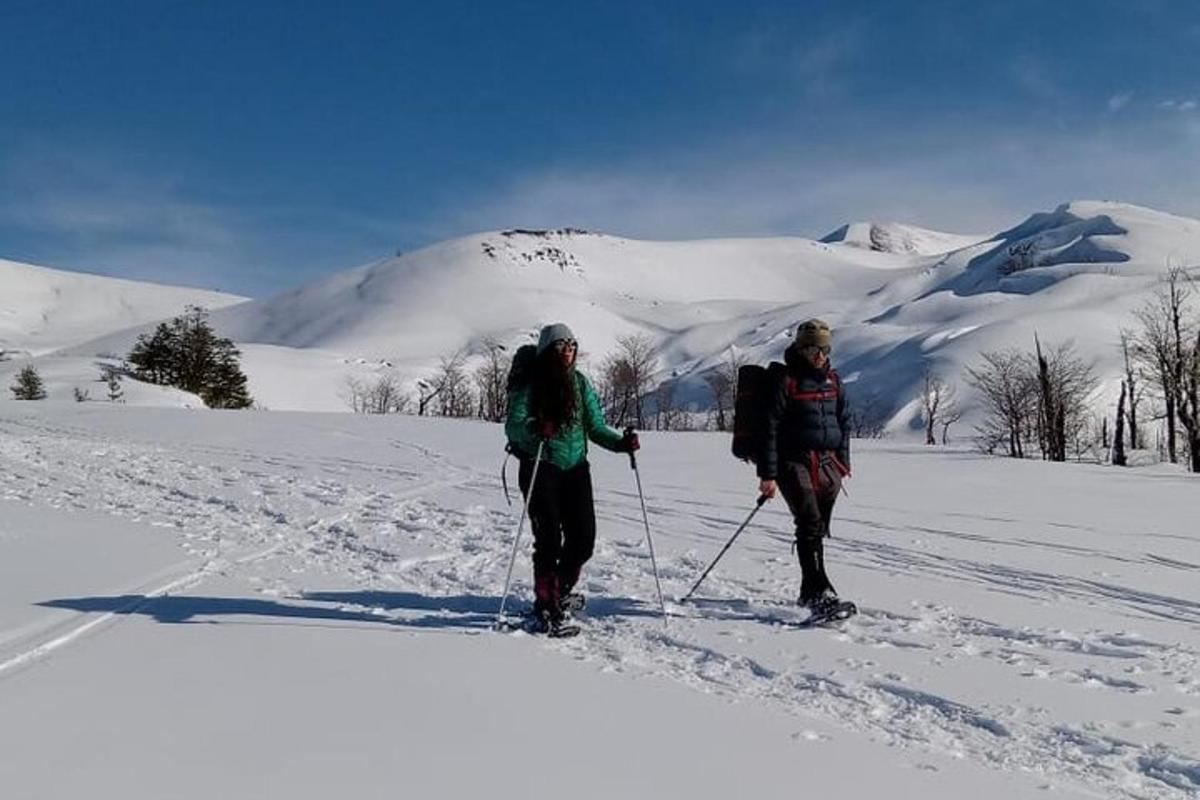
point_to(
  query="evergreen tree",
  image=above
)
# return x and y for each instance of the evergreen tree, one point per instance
(112, 379)
(226, 383)
(153, 357)
(188, 355)
(29, 385)
(194, 360)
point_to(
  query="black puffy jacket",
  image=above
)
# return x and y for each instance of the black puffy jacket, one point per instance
(807, 414)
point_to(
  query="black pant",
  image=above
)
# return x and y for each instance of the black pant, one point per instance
(563, 517)
(810, 486)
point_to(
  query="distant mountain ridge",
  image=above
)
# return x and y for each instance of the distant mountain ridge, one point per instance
(895, 237)
(43, 309)
(899, 301)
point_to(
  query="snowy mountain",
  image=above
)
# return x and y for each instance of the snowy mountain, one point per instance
(894, 237)
(42, 309)
(1074, 273)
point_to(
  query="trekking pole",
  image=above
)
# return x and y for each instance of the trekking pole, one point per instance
(537, 460)
(762, 498)
(646, 520)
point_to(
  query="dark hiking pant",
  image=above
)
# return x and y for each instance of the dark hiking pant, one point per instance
(563, 518)
(810, 487)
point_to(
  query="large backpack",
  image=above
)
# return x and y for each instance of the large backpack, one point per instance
(755, 388)
(521, 371)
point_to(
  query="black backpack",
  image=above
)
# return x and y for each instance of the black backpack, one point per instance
(521, 371)
(755, 387)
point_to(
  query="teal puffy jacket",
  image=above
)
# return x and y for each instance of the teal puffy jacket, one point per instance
(568, 448)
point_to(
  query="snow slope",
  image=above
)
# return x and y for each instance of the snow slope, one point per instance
(294, 605)
(1072, 274)
(895, 237)
(43, 309)
(418, 306)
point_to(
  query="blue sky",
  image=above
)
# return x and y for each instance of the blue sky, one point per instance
(253, 146)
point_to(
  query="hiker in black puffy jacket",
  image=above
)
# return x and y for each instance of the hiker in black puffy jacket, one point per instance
(806, 452)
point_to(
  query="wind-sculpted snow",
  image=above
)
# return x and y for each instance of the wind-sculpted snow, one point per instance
(1029, 620)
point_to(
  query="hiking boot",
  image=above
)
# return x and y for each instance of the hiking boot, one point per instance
(552, 623)
(820, 604)
(571, 603)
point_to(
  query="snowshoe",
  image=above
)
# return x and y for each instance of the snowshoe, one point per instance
(554, 625)
(572, 603)
(827, 607)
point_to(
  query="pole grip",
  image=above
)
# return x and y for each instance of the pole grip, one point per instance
(629, 429)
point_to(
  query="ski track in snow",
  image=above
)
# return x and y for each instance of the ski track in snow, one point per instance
(424, 554)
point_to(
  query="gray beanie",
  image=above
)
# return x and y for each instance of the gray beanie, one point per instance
(551, 334)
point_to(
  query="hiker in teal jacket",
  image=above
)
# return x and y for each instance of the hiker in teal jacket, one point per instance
(555, 406)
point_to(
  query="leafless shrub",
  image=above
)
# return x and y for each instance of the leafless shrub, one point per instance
(490, 381)
(1166, 347)
(625, 379)
(379, 396)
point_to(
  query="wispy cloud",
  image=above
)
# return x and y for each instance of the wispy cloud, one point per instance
(1119, 101)
(96, 212)
(1036, 78)
(976, 183)
(1183, 106)
(818, 66)
(122, 219)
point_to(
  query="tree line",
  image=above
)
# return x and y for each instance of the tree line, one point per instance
(624, 380)
(1037, 401)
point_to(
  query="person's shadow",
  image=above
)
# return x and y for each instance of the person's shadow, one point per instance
(396, 609)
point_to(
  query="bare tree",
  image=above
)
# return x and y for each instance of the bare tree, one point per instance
(380, 396)
(626, 379)
(722, 386)
(453, 388)
(1132, 387)
(939, 404)
(1064, 382)
(951, 413)
(1189, 399)
(868, 418)
(1118, 450)
(1010, 400)
(491, 379)
(1160, 345)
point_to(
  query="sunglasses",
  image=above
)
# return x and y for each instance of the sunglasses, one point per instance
(813, 349)
(562, 345)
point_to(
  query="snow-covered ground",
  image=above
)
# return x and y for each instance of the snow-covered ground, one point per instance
(276, 605)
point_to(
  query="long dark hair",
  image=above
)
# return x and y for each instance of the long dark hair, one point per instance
(553, 396)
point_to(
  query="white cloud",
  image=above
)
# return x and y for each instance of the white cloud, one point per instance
(1183, 106)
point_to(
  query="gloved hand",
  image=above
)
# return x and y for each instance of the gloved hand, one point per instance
(629, 443)
(545, 428)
